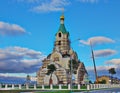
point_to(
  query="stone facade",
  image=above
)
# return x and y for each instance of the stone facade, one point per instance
(61, 56)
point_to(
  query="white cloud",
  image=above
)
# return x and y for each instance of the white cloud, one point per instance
(89, 1)
(20, 60)
(20, 75)
(113, 61)
(41, 6)
(104, 53)
(29, 1)
(92, 1)
(50, 6)
(101, 68)
(89, 68)
(11, 29)
(97, 40)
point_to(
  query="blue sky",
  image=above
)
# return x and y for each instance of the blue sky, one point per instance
(28, 27)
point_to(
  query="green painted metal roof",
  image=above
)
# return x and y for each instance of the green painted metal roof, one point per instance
(62, 29)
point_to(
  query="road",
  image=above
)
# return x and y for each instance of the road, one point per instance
(114, 90)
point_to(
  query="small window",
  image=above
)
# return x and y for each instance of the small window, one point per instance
(59, 34)
(59, 42)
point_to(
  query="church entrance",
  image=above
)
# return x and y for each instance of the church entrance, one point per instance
(53, 80)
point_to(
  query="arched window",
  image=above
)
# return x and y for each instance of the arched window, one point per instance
(59, 35)
(59, 42)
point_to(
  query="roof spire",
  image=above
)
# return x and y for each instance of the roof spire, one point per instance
(62, 17)
(63, 11)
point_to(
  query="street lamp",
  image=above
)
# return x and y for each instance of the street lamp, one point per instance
(71, 74)
(94, 62)
(71, 57)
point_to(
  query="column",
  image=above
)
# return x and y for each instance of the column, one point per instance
(94, 86)
(98, 86)
(19, 86)
(34, 86)
(0, 85)
(6, 86)
(51, 86)
(108, 85)
(13, 86)
(104, 85)
(91, 86)
(69, 87)
(88, 87)
(101, 85)
(43, 87)
(27, 86)
(78, 86)
(60, 86)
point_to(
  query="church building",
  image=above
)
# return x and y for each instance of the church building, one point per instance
(62, 57)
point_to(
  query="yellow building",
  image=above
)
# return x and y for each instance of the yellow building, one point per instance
(61, 56)
(106, 78)
(109, 79)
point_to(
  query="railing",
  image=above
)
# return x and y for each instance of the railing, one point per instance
(57, 87)
(102, 86)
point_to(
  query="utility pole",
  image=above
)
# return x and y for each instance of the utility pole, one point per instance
(94, 62)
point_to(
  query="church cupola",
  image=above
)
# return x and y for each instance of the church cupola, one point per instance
(62, 43)
(62, 26)
(62, 19)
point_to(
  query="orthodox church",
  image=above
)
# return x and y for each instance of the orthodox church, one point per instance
(65, 60)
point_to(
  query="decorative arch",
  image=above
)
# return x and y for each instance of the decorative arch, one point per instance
(56, 56)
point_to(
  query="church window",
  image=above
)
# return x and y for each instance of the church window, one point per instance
(59, 34)
(59, 42)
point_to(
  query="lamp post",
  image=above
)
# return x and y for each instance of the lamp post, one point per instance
(71, 66)
(94, 62)
(71, 74)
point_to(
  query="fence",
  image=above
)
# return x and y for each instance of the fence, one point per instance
(57, 87)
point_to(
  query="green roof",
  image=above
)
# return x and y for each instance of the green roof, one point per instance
(62, 29)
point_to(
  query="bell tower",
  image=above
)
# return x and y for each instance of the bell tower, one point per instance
(62, 42)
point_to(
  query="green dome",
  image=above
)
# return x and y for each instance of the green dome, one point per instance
(62, 29)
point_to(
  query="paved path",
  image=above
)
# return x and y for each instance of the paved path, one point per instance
(114, 90)
(26, 92)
